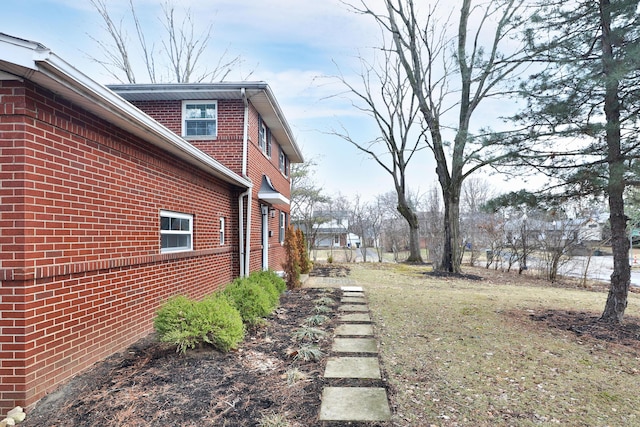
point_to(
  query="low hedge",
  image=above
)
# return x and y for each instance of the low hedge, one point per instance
(250, 299)
(220, 318)
(186, 323)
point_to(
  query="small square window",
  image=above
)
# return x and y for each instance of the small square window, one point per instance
(176, 231)
(200, 118)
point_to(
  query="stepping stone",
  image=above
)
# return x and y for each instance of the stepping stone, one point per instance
(353, 307)
(354, 345)
(351, 329)
(354, 404)
(355, 317)
(351, 289)
(353, 294)
(352, 367)
(353, 300)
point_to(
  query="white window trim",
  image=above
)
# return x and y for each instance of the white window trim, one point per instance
(171, 214)
(262, 136)
(184, 119)
(282, 162)
(222, 231)
(283, 226)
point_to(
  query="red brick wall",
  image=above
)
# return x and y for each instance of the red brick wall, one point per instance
(81, 274)
(227, 149)
(260, 164)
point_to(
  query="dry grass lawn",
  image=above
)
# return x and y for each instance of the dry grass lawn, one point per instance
(470, 353)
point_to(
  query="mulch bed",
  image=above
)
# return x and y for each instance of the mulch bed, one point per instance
(588, 325)
(151, 385)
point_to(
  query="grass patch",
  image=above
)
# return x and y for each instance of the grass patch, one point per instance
(467, 353)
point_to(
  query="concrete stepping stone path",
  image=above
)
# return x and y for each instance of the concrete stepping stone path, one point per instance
(354, 335)
(353, 367)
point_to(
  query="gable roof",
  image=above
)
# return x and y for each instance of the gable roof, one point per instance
(25, 59)
(258, 93)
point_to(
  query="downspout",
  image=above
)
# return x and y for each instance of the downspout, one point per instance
(245, 240)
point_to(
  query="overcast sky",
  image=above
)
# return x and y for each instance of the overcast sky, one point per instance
(291, 44)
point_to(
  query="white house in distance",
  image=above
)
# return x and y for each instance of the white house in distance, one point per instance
(333, 231)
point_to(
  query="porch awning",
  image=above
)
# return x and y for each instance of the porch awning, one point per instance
(269, 194)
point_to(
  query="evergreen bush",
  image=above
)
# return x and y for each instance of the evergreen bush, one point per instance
(250, 299)
(273, 284)
(186, 323)
(292, 261)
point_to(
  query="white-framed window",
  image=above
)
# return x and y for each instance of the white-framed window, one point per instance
(262, 135)
(222, 231)
(283, 163)
(268, 148)
(200, 119)
(283, 226)
(176, 231)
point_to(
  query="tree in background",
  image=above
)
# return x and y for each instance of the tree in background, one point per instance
(307, 199)
(475, 193)
(384, 94)
(433, 216)
(580, 124)
(455, 73)
(177, 57)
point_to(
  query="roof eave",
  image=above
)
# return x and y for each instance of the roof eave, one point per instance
(258, 92)
(34, 62)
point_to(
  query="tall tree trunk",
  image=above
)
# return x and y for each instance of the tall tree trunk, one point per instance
(621, 276)
(414, 228)
(451, 256)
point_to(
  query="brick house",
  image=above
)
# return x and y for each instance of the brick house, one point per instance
(114, 199)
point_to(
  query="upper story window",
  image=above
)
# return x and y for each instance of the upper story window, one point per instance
(264, 138)
(284, 163)
(268, 148)
(176, 231)
(200, 118)
(262, 135)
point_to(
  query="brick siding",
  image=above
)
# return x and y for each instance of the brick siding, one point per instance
(227, 149)
(81, 273)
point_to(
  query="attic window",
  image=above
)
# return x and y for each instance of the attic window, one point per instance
(200, 118)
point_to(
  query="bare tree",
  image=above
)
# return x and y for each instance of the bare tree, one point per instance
(432, 224)
(475, 193)
(394, 229)
(306, 199)
(180, 51)
(424, 47)
(384, 94)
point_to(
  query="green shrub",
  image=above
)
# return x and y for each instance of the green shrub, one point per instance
(273, 277)
(250, 299)
(186, 323)
(225, 321)
(271, 283)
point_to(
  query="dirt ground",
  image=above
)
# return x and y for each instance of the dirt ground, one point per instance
(149, 384)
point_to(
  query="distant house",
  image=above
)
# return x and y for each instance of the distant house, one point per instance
(585, 231)
(115, 199)
(332, 230)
